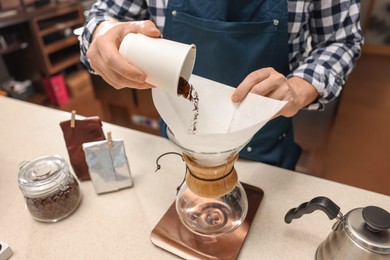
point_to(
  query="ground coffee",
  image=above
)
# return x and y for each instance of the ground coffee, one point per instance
(186, 90)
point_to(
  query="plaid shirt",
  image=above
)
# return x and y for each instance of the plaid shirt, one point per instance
(325, 37)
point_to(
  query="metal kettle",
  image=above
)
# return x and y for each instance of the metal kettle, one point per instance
(362, 233)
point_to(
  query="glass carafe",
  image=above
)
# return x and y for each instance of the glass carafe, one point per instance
(211, 202)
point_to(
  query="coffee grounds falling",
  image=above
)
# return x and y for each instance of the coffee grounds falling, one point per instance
(186, 90)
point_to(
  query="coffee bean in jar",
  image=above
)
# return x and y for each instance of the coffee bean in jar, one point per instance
(51, 192)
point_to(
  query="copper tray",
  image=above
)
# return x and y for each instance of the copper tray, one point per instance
(170, 234)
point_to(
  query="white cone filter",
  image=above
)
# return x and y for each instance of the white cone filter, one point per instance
(221, 125)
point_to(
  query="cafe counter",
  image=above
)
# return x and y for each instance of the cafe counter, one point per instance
(118, 225)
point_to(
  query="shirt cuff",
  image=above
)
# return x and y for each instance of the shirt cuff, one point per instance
(327, 83)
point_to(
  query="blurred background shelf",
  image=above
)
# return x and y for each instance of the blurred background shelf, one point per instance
(15, 46)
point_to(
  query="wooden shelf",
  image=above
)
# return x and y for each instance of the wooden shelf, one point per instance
(64, 62)
(369, 10)
(58, 49)
(51, 48)
(52, 22)
(378, 49)
(60, 26)
(13, 47)
(58, 45)
(12, 17)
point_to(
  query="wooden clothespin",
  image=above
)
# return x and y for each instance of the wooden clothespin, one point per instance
(73, 119)
(109, 139)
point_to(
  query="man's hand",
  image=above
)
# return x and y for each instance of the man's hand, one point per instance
(106, 60)
(270, 83)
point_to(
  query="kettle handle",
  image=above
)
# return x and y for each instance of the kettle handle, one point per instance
(319, 203)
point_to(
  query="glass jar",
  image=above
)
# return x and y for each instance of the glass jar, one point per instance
(51, 192)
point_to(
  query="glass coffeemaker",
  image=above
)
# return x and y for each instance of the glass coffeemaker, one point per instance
(213, 210)
(211, 202)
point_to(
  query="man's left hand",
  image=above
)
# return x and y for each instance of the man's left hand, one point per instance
(270, 83)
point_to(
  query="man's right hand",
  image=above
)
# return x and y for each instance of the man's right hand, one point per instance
(104, 56)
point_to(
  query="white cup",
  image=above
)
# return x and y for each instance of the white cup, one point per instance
(163, 61)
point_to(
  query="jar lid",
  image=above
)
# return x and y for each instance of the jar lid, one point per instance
(43, 176)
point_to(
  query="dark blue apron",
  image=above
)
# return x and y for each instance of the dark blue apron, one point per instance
(234, 38)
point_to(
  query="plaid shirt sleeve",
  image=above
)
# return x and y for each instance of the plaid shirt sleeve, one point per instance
(336, 40)
(103, 10)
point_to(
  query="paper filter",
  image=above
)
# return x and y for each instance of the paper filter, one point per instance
(217, 124)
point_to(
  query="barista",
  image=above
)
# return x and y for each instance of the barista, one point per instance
(299, 51)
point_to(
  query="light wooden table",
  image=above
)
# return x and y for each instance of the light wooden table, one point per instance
(118, 225)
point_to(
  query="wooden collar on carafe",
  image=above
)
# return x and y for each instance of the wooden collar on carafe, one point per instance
(211, 182)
